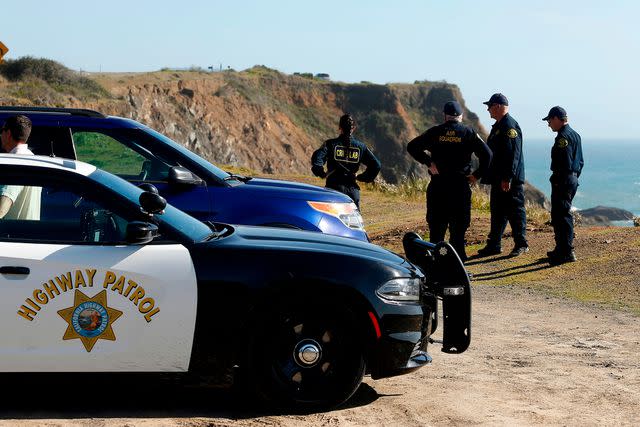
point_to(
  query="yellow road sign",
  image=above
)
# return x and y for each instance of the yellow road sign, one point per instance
(3, 50)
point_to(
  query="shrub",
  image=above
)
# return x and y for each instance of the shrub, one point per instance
(537, 215)
(480, 198)
(56, 75)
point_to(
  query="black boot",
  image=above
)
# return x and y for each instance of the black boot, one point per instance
(557, 258)
(489, 250)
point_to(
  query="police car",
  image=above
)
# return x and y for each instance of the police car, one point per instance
(106, 277)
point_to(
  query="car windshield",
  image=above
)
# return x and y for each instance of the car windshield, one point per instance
(181, 223)
(219, 173)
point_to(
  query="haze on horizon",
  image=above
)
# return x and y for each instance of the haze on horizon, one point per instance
(578, 54)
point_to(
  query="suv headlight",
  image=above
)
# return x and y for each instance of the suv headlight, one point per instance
(401, 289)
(347, 213)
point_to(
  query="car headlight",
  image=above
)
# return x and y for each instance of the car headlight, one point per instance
(401, 289)
(347, 213)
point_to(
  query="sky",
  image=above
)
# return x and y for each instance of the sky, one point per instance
(583, 55)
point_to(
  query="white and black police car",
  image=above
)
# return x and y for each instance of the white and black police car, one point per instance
(104, 276)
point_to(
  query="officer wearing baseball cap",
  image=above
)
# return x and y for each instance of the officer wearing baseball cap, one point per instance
(449, 146)
(506, 177)
(566, 167)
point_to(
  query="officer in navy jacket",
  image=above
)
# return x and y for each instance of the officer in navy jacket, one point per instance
(566, 167)
(450, 146)
(506, 177)
(343, 156)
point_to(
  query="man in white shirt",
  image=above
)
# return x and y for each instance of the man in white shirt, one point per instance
(17, 201)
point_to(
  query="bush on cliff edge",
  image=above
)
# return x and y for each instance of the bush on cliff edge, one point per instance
(35, 71)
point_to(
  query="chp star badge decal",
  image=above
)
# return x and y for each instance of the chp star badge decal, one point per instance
(89, 319)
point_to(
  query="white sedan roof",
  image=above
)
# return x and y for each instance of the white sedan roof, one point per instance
(48, 162)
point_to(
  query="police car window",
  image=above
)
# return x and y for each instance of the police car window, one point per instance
(115, 153)
(57, 215)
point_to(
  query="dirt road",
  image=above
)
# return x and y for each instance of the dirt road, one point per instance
(534, 360)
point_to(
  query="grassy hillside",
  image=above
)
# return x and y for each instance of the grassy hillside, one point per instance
(259, 118)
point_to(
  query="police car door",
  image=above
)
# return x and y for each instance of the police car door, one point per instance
(72, 300)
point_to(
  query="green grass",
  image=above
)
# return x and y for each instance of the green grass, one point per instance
(106, 153)
(412, 189)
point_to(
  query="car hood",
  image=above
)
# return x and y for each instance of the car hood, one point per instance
(281, 239)
(292, 190)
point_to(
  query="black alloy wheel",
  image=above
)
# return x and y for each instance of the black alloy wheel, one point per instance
(309, 356)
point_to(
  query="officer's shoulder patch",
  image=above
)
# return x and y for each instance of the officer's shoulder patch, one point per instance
(562, 142)
(512, 133)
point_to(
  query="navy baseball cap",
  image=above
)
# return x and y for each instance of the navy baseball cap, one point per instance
(556, 111)
(497, 98)
(452, 108)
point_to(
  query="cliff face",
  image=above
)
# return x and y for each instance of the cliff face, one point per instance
(271, 122)
(259, 119)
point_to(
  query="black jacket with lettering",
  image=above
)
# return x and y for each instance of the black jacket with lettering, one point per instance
(505, 142)
(343, 156)
(566, 154)
(450, 146)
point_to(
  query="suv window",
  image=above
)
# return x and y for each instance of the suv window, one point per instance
(51, 141)
(118, 154)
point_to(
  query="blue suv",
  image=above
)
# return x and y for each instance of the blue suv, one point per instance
(139, 154)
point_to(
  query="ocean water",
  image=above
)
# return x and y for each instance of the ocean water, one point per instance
(610, 177)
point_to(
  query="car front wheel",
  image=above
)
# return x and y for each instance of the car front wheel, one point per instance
(308, 355)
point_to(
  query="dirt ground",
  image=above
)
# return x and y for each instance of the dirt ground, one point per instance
(535, 359)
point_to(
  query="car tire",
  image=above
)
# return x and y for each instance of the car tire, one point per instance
(307, 356)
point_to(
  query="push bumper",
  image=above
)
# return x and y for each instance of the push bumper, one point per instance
(448, 281)
(406, 329)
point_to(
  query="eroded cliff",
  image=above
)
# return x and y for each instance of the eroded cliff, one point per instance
(263, 119)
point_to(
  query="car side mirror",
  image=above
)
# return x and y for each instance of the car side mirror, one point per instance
(183, 176)
(152, 203)
(139, 232)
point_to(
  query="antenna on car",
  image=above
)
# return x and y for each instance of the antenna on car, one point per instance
(52, 154)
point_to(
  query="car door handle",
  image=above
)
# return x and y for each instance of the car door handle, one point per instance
(14, 270)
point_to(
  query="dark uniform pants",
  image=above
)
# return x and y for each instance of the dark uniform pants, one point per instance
(508, 206)
(562, 192)
(351, 191)
(449, 205)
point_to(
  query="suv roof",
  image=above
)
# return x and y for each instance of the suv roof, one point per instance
(66, 111)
